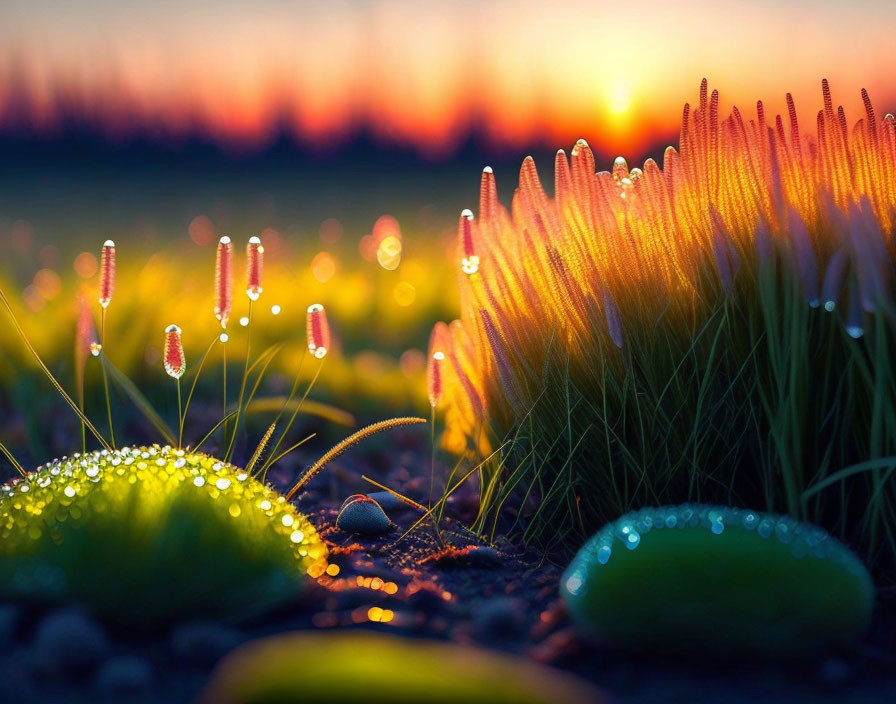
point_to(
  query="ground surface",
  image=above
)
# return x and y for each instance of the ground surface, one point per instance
(502, 597)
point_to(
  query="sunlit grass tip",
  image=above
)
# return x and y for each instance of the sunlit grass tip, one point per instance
(318, 331)
(174, 360)
(107, 273)
(717, 327)
(224, 280)
(254, 267)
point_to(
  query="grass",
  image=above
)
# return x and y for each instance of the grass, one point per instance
(720, 330)
(148, 535)
(763, 406)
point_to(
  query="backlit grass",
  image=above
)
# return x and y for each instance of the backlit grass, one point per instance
(719, 330)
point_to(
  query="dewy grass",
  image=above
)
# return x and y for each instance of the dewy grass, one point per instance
(148, 535)
(718, 330)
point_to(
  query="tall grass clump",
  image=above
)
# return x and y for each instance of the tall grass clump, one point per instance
(720, 329)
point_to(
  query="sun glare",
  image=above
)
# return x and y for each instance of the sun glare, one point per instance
(620, 97)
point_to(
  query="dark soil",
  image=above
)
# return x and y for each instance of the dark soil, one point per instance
(450, 588)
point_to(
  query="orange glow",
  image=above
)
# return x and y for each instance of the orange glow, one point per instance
(48, 283)
(412, 363)
(426, 74)
(202, 230)
(737, 188)
(323, 266)
(404, 293)
(85, 265)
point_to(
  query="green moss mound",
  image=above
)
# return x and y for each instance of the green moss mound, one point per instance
(147, 535)
(718, 581)
(363, 666)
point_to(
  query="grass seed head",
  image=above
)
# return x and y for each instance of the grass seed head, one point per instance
(224, 280)
(254, 267)
(469, 262)
(174, 359)
(318, 331)
(107, 273)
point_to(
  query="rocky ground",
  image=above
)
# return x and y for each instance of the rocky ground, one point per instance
(501, 596)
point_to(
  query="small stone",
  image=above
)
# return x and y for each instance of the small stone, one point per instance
(123, 674)
(483, 556)
(364, 516)
(389, 502)
(203, 643)
(353, 497)
(69, 640)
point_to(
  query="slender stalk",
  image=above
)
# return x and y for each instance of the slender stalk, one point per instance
(432, 456)
(214, 428)
(49, 375)
(261, 445)
(294, 413)
(401, 497)
(295, 384)
(106, 376)
(180, 418)
(81, 406)
(239, 403)
(352, 439)
(139, 400)
(444, 499)
(224, 370)
(15, 463)
(263, 471)
(196, 376)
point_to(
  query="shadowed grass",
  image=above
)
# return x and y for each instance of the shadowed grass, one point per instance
(765, 402)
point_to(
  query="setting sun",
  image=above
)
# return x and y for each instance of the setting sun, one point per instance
(620, 97)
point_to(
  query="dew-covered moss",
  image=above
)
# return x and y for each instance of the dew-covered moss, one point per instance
(146, 535)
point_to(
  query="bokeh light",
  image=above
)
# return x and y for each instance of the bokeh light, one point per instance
(86, 265)
(202, 230)
(388, 254)
(323, 266)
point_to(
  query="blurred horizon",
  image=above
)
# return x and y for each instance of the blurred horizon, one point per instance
(349, 135)
(433, 78)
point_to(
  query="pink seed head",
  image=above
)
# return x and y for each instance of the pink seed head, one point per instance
(318, 330)
(224, 280)
(254, 267)
(174, 360)
(107, 273)
(434, 378)
(469, 262)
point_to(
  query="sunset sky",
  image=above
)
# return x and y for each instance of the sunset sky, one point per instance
(427, 74)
